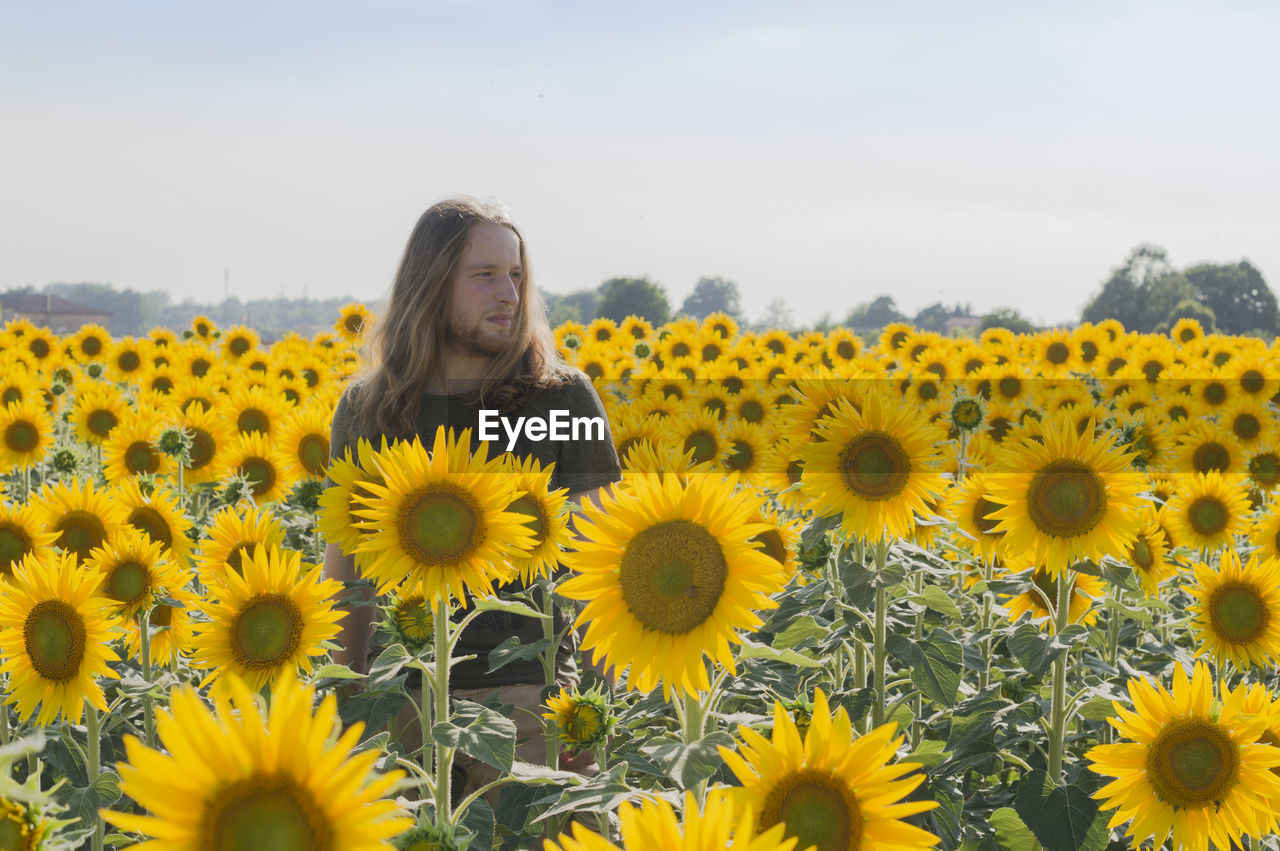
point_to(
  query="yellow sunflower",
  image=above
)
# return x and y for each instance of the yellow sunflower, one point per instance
(876, 467)
(441, 521)
(972, 511)
(669, 572)
(262, 461)
(1193, 769)
(1264, 534)
(98, 409)
(210, 437)
(269, 622)
(159, 516)
(90, 343)
(1263, 467)
(304, 437)
(127, 357)
(26, 434)
(233, 534)
(353, 320)
(1148, 555)
(131, 570)
(547, 516)
(1040, 600)
(241, 777)
(1071, 498)
(257, 409)
(238, 342)
(55, 639)
(583, 719)
(172, 626)
(1237, 610)
(131, 451)
(829, 789)
(717, 825)
(1208, 510)
(81, 517)
(22, 533)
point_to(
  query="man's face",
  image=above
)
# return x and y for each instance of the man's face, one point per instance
(486, 291)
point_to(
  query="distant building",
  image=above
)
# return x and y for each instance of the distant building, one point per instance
(51, 311)
(962, 326)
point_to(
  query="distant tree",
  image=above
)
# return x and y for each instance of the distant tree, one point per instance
(132, 312)
(1141, 293)
(1189, 308)
(713, 295)
(933, 318)
(1240, 299)
(777, 314)
(623, 297)
(1007, 317)
(874, 314)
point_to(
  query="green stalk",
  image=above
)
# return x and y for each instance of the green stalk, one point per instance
(1058, 710)
(549, 733)
(93, 764)
(148, 702)
(4, 725)
(879, 639)
(988, 644)
(917, 702)
(444, 755)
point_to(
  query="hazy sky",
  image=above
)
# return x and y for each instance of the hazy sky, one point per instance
(989, 152)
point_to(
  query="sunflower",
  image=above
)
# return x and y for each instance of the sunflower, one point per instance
(55, 639)
(203, 328)
(1204, 446)
(1263, 467)
(1071, 498)
(80, 516)
(876, 467)
(131, 450)
(22, 533)
(210, 436)
(442, 519)
(26, 434)
(717, 825)
(127, 357)
(241, 777)
(409, 619)
(159, 516)
(1208, 510)
(1040, 600)
(131, 569)
(830, 790)
(257, 409)
(669, 573)
(335, 520)
(97, 410)
(1148, 555)
(1237, 610)
(1193, 768)
(234, 533)
(90, 343)
(260, 460)
(1264, 534)
(583, 719)
(547, 517)
(780, 541)
(238, 342)
(268, 622)
(973, 513)
(172, 628)
(304, 437)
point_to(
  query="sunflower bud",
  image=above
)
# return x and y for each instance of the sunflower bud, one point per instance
(409, 619)
(966, 414)
(583, 719)
(176, 443)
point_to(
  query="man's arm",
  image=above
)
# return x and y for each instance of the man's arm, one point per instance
(357, 626)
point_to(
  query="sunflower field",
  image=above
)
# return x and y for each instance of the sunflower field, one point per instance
(1020, 592)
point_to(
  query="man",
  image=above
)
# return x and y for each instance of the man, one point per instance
(465, 331)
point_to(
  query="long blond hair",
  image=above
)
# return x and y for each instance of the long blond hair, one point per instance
(407, 343)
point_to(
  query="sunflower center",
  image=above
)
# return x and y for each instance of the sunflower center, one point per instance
(1215, 393)
(1211, 455)
(261, 474)
(531, 508)
(1009, 387)
(1208, 516)
(128, 361)
(441, 524)
(202, 448)
(313, 452)
(1067, 498)
(14, 544)
(128, 582)
(1193, 763)
(238, 346)
(91, 346)
(251, 420)
(703, 445)
(54, 637)
(80, 532)
(1246, 426)
(774, 547)
(101, 422)
(982, 511)
(150, 522)
(1057, 353)
(816, 810)
(1264, 469)
(264, 812)
(141, 458)
(795, 470)
(1238, 614)
(875, 466)
(161, 615)
(267, 631)
(21, 436)
(1142, 555)
(1252, 381)
(672, 576)
(353, 323)
(751, 411)
(741, 456)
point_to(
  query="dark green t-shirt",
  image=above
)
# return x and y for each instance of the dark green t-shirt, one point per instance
(581, 464)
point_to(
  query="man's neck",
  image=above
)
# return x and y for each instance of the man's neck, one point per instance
(459, 373)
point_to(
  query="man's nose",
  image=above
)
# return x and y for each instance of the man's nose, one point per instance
(508, 292)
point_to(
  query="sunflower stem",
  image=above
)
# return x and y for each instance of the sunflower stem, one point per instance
(860, 674)
(879, 639)
(988, 643)
(4, 725)
(917, 703)
(443, 754)
(549, 731)
(148, 702)
(92, 764)
(1058, 709)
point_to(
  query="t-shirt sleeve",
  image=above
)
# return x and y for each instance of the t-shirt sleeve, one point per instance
(591, 461)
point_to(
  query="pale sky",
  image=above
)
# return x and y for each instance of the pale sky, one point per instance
(999, 153)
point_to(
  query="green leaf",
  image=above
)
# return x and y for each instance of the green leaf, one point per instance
(937, 599)
(1063, 818)
(485, 735)
(512, 650)
(690, 764)
(1036, 650)
(515, 607)
(937, 669)
(388, 664)
(601, 794)
(1011, 833)
(337, 672)
(1096, 709)
(755, 650)
(107, 787)
(16, 750)
(803, 630)
(373, 708)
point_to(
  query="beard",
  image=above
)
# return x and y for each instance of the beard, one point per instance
(473, 341)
